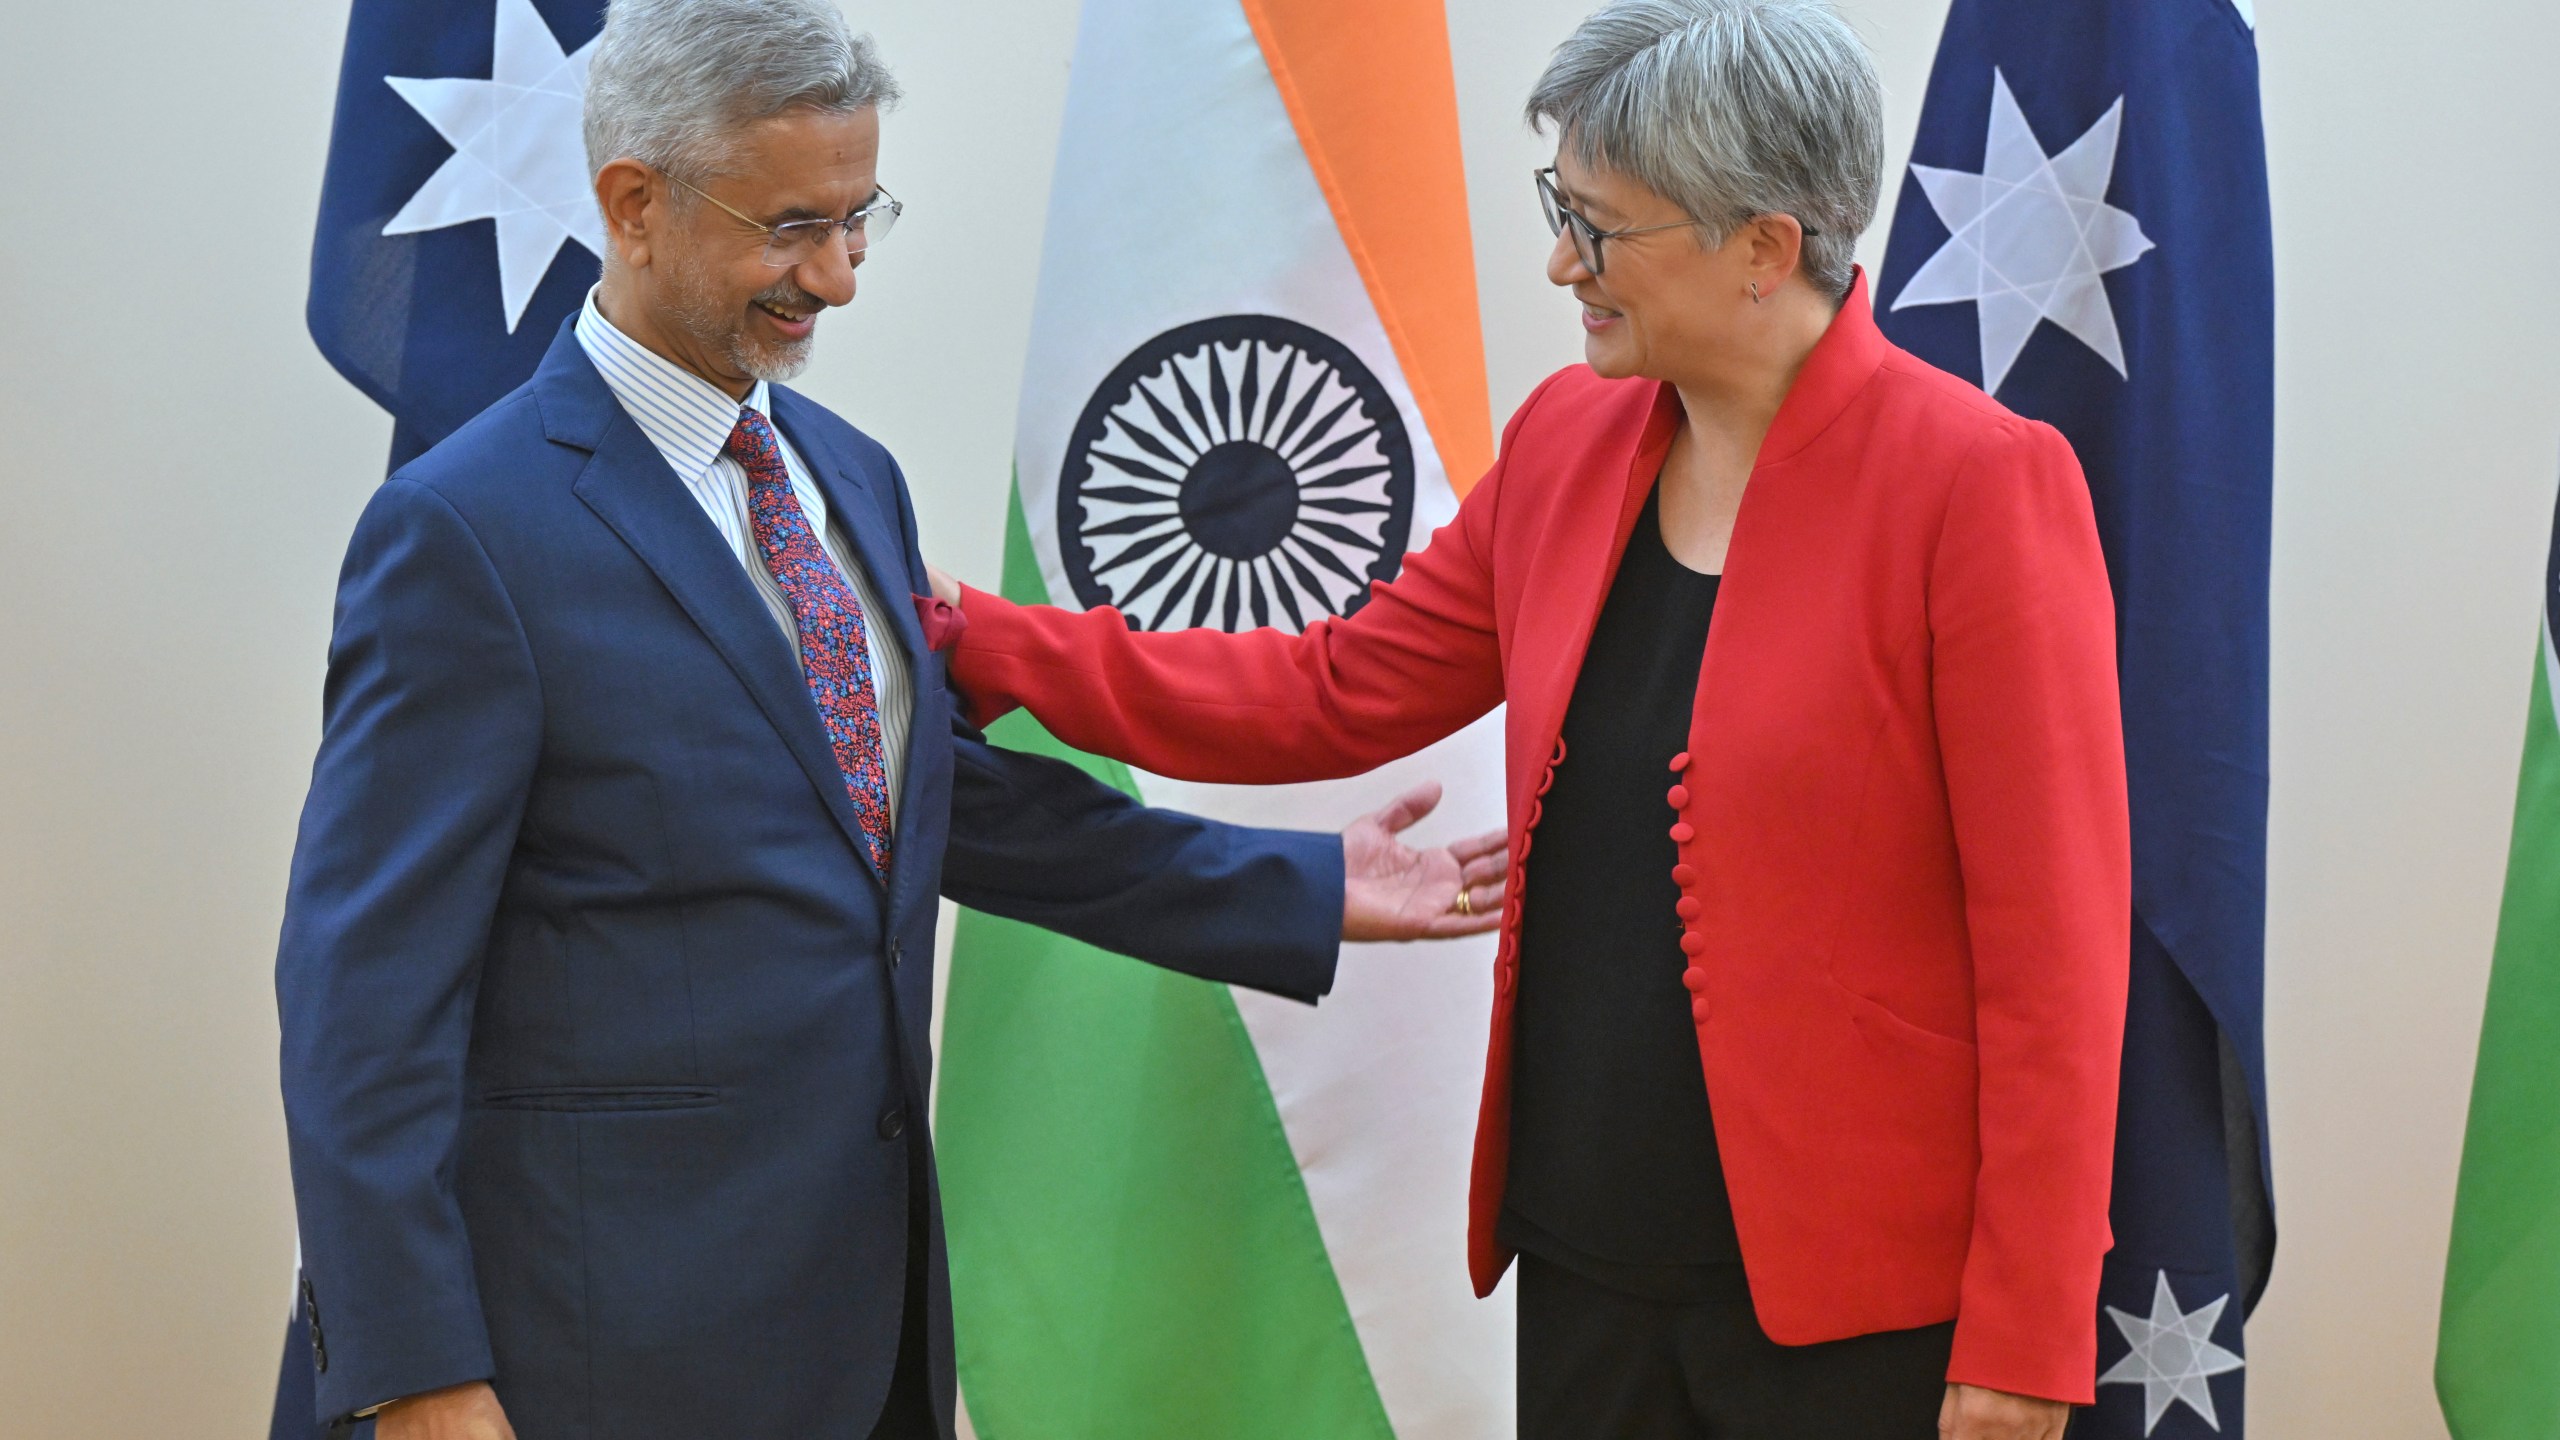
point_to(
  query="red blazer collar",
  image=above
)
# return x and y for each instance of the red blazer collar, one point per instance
(1839, 367)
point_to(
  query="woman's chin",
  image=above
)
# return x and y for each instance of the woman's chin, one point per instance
(1608, 356)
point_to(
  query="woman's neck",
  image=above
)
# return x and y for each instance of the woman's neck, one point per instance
(1728, 405)
(1731, 397)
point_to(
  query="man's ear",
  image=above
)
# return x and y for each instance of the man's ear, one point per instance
(627, 193)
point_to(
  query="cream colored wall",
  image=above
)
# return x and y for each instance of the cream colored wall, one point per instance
(181, 471)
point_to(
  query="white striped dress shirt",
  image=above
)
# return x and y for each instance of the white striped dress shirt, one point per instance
(689, 420)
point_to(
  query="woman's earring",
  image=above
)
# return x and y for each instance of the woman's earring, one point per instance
(1755, 292)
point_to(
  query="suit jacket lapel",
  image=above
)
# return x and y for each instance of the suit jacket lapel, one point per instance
(627, 484)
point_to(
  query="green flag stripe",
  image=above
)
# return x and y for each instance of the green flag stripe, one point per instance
(2496, 1370)
(1133, 1253)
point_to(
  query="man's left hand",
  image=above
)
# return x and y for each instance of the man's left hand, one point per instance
(1391, 891)
(1973, 1413)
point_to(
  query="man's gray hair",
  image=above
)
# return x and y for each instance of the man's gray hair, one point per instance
(1729, 109)
(672, 81)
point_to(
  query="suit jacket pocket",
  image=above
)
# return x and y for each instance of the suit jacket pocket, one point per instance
(592, 1098)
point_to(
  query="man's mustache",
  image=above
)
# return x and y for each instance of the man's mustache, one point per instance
(787, 296)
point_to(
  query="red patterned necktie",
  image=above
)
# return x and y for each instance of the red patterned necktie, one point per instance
(835, 648)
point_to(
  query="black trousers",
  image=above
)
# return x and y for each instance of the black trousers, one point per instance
(1597, 1364)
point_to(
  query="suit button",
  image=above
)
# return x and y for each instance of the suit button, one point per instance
(1693, 943)
(1698, 1008)
(1694, 978)
(897, 953)
(1688, 908)
(1683, 876)
(1680, 762)
(893, 1123)
(1679, 797)
(1682, 833)
(311, 1316)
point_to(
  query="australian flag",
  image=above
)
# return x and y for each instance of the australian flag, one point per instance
(2084, 231)
(457, 230)
(457, 226)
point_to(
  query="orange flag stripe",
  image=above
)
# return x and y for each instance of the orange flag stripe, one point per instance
(1369, 88)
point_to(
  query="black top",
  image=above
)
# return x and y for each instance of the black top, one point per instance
(1614, 1171)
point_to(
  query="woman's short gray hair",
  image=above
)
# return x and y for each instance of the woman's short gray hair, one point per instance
(671, 81)
(1729, 109)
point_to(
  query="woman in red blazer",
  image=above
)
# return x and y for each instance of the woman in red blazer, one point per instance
(1817, 961)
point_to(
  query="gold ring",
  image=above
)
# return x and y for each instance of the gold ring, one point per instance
(1466, 903)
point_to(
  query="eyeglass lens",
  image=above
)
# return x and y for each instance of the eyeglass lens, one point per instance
(795, 242)
(1586, 245)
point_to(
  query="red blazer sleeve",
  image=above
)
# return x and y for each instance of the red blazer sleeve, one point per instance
(1417, 662)
(2022, 625)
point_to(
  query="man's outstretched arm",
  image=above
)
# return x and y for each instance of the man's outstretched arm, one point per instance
(1037, 840)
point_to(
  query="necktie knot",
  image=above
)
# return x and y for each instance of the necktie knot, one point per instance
(752, 444)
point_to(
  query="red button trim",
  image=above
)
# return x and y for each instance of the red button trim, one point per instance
(1679, 797)
(1681, 832)
(1680, 761)
(1688, 907)
(1698, 1009)
(1693, 943)
(1547, 781)
(1694, 978)
(1684, 876)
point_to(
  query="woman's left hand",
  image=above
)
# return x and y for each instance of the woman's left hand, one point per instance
(1973, 1413)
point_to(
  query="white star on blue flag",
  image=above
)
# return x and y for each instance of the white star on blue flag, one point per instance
(2173, 1358)
(2029, 236)
(519, 157)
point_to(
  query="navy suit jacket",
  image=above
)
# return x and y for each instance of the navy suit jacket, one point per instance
(604, 1049)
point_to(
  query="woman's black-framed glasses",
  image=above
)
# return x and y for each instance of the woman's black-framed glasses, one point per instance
(793, 242)
(1587, 237)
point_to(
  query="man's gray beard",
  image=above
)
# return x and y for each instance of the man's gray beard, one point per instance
(690, 304)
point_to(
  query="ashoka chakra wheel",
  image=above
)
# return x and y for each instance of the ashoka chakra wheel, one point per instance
(1235, 472)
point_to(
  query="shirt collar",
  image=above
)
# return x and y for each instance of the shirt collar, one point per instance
(685, 416)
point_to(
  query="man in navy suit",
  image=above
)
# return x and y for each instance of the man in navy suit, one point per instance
(606, 967)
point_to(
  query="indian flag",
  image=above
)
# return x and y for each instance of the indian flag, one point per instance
(2497, 1371)
(1256, 381)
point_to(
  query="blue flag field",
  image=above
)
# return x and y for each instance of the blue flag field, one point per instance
(2084, 231)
